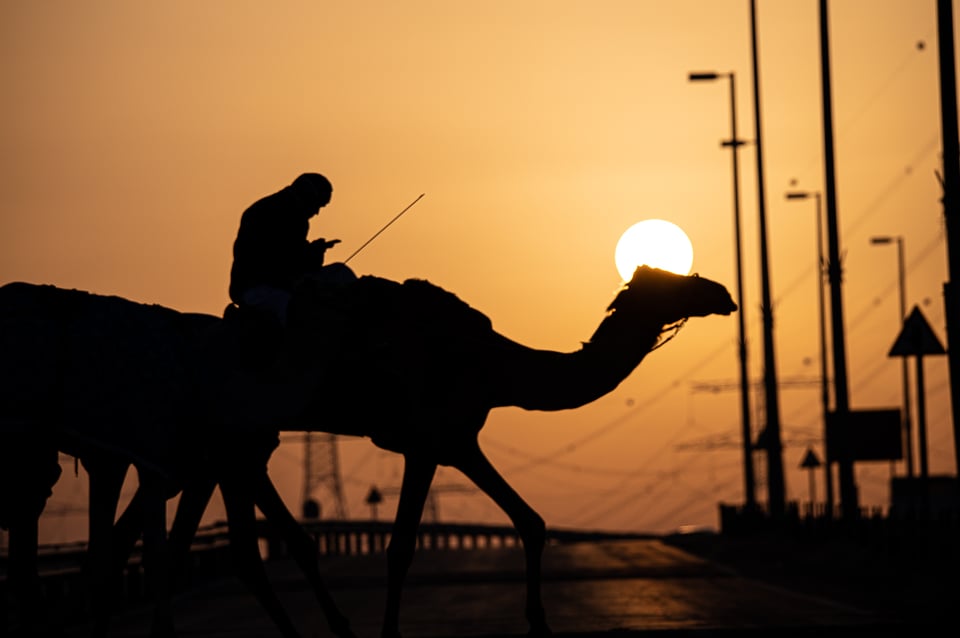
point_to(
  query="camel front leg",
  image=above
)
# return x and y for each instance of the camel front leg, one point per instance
(417, 476)
(528, 523)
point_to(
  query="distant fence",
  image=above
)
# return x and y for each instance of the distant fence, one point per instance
(351, 538)
(334, 538)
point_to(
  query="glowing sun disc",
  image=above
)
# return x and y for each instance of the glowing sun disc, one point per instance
(656, 243)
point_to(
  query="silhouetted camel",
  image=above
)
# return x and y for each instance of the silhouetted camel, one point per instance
(110, 545)
(73, 358)
(417, 370)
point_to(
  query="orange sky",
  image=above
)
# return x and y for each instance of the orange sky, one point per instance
(136, 133)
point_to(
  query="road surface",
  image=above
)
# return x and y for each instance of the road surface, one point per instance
(611, 588)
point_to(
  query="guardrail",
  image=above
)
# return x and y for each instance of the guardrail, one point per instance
(371, 537)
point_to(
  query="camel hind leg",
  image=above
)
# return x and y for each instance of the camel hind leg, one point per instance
(106, 475)
(194, 499)
(529, 525)
(237, 490)
(417, 476)
(303, 550)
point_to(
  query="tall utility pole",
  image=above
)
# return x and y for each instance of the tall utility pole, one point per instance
(822, 311)
(776, 489)
(734, 144)
(951, 200)
(749, 489)
(849, 500)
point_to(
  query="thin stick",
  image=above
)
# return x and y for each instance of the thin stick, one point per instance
(409, 206)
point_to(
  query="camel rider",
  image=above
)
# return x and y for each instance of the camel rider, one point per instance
(272, 253)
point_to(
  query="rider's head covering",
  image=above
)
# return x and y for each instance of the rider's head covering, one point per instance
(314, 188)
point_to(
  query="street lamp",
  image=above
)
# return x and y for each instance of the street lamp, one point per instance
(824, 383)
(733, 144)
(907, 428)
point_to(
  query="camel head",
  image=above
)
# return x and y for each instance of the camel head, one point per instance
(669, 297)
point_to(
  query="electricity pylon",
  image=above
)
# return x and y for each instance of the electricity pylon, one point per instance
(321, 472)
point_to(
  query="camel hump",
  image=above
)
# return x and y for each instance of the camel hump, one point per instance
(380, 319)
(372, 299)
(440, 304)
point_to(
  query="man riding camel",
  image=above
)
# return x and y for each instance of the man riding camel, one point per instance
(271, 253)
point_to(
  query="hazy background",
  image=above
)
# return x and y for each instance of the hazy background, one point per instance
(135, 133)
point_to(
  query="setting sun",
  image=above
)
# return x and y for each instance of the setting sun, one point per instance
(656, 243)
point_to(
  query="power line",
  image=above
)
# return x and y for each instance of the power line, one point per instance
(570, 467)
(619, 421)
(909, 57)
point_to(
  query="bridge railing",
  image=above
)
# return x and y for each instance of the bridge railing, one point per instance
(334, 538)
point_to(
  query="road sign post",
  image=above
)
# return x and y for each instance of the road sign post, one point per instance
(917, 339)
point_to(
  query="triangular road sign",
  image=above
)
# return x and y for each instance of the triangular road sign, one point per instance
(810, 459)
(917, 338)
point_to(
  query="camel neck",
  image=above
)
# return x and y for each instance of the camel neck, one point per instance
(548, 380)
